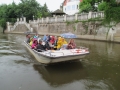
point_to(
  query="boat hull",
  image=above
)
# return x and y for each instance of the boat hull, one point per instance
(47, 60)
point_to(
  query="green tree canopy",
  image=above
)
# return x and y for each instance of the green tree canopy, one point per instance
(111, 8)
(26, 8)
(89, 5)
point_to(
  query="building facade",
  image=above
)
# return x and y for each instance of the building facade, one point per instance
(71, 7)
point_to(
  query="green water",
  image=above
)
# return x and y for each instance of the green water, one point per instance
(100, 70)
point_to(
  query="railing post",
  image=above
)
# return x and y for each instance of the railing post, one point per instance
(42, 20)
(47, 19)
(24, 19)
(38, 20)
(90, 15)
(65, 17)
(8, 27)
(17, 19)
(76, 16)
(20, 19)
(56, 19)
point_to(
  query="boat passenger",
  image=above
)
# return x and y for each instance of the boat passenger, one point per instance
(45, 38)
(36, 36)
(55, 43)
(47, 45)
(40, 47)
(59, 43)
(52, 39)
(71, 44)
(34, 44)
(51, 46)
(39, 39)
(48, 38)
(64, 44)
(31, 41)
(28, 38)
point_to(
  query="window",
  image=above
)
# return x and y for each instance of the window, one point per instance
(73, 7)
(68, 8)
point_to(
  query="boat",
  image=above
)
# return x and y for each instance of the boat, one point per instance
(55, 56)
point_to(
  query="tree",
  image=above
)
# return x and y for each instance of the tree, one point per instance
(26, 8)
(3, 16)
(102, 6)
(89, 5)
(85, 6)
(112, 13)
(45, 11)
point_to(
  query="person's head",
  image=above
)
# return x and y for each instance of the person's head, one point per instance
(63, 39)
(28, 35)
(40, 41)
(56, 37)
(35, 41)
(59, 38)
(31, 39)
(71, 40)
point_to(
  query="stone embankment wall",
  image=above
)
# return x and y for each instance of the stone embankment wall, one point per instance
(77, 24)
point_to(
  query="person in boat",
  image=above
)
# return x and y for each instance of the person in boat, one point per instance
(31, 41)
(71, 44)
(59, 43)
(52, 39)
(45, 38)
(34, 44)
(40, 47)
(49, 38)
(28, 38)
(55, 43)
(36, 36)
(64, 44)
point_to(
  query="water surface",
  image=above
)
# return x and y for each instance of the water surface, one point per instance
(100, 70)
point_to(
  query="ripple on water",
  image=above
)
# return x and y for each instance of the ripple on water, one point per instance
(12, 58)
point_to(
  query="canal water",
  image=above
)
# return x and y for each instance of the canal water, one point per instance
(100, 70)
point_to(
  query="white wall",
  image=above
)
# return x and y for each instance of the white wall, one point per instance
(71, 7)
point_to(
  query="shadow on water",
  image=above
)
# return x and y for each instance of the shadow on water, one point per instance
(61, 73)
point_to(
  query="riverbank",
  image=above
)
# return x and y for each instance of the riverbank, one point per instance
(82, 37)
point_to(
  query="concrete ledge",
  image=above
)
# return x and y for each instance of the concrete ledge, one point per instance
(84, 37)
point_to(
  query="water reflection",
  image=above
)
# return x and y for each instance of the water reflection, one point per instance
(61, 73)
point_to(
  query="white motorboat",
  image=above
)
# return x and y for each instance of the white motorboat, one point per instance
(55, 56)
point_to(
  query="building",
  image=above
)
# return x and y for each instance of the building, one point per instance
(71, 7)
(58, 12)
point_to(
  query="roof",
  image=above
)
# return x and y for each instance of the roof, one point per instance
(58, 12)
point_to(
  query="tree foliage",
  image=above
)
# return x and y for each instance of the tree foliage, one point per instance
(88, 5)
(112, 13)
(26, 8)
(111, 9)
(102, 6)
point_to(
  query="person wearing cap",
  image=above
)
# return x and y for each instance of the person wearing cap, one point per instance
(40, 47)
(28, 38)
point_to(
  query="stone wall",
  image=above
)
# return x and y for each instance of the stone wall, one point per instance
(77, 24)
